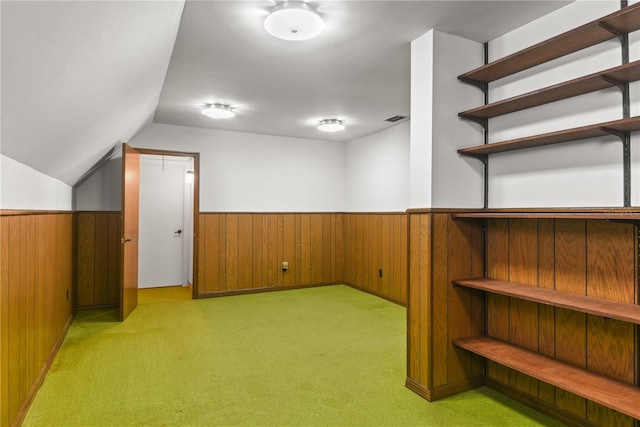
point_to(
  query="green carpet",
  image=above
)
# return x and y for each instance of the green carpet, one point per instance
(311, 357)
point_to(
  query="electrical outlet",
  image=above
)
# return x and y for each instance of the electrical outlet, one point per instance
(380, 273)
(285, 266)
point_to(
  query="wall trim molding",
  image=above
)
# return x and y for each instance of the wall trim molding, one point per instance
(262, 289)
(363, 289)
(16, 212)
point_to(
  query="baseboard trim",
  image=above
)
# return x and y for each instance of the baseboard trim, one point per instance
(26, 404)
(261, 290)
(95, 307)
(443, 391)
(538, 404)
(360, 288)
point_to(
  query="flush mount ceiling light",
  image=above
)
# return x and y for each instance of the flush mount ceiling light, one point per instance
(293, 20)
(331, 125)
(218, 111)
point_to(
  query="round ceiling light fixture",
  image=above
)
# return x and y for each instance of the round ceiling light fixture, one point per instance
(293, 20)
(331, 125)
(218, 111)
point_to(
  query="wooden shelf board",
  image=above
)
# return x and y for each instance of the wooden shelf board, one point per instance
(591, 83)
(615, 214)
(567, 135)
(614, 394)
(582, 303)
(625, 20)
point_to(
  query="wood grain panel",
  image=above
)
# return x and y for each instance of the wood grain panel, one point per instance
(257, 254)
(438, 284)
(315, 245)
(375, 242)
(35, 283)
(546, 314)
(86, 247)
(244, 251)
(4, 321)
(523, 315)
(98, 259)
(497, 305)
(291, 251)
(570, 241)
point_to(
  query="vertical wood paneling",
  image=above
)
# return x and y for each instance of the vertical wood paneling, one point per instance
(546, 314)
(315, 242)
(113, 292)
(231, 227)
(4, 320)
(570, 238)
(326, 272)
(375, 242)
(438, 290)
(86, 247)
(611, 253)
(245, 251)
(523, 315)
(498, 305)
(35, 281)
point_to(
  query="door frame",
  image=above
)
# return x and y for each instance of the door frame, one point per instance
(196, 205)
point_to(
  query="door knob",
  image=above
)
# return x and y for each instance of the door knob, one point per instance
(178, 231)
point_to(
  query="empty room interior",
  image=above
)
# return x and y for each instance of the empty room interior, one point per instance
(345, 213)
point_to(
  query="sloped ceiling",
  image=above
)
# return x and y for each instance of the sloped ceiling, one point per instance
(80, 77)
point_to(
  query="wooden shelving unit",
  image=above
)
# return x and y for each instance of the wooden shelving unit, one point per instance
(616, 395)
(584, 304)
(568, 135)
(559, 256)
(593, 82)
(623, 21)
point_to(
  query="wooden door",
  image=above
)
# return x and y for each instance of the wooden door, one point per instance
(129, 241)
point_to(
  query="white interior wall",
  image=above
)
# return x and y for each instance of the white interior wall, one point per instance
(456, 181)
(577, 174)
(421, 121)
(102, 191)
(245, 172)
(439, 177)
(377, 171)
(24, 188)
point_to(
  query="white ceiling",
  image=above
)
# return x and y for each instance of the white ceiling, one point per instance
(81, 76)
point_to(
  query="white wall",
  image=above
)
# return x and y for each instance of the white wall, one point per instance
(377, 171)
(102, 191)
(24, 188)
(577, 174)
(244, 172)
(421, 121)
(439, 177)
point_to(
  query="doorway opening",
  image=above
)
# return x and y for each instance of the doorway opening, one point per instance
(168, 225)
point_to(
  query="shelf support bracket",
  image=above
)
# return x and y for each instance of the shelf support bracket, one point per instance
(482, 122)
(625, 138)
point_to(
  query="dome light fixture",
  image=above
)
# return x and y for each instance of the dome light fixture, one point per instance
(293, 20)
(218, 111)
(331, 125)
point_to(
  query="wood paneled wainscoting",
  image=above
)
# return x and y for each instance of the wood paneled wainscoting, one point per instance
(375, 254)
(35, 302)
(98, 259)
(442, 250)
(554, 311)
(243, 252)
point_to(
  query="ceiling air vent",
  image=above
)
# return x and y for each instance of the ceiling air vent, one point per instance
(395, 119)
